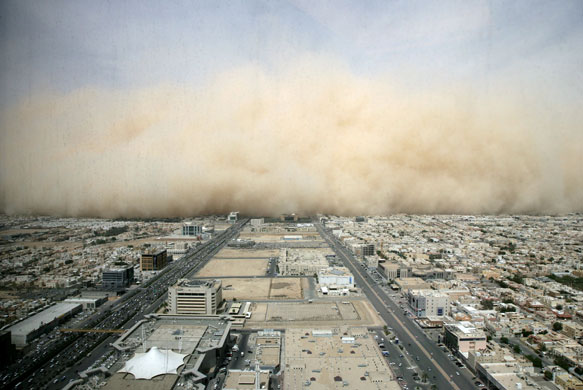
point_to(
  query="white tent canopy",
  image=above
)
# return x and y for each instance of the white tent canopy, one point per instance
(153, 363)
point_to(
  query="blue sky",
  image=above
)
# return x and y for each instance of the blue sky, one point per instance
(64, 45)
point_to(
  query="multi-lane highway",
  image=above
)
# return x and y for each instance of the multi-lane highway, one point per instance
(56, 364)
(428, 357)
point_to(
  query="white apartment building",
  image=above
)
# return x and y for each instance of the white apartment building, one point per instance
(336, 277)
(428, 303)
(195, 297)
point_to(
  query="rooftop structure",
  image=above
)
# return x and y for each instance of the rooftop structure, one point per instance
(155, 362)
(246, 380)
(335, 359)
(194, 346)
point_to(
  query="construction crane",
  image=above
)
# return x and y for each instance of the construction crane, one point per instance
(92, 330)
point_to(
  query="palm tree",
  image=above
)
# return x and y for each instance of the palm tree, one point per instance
(424, 376)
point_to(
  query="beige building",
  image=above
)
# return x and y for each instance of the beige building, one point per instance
(463, 337)
(195, 297)
(572, 329)
(301, 262)
(568, 381)
(393, 270)
(406, 284)
(246, 380)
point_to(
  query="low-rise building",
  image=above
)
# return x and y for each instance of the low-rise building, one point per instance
(463, 337)
(428, 303)
(301, 262)
(26, 330)
(195, 297)
(247, 380)
(406, 284)
(335, 277)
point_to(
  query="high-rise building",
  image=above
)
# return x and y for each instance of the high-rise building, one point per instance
(153, 260)
(195, 297)
(118, 277)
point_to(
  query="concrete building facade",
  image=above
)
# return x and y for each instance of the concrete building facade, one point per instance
(154, 260)
(428, 303)
(195, 297)
(336, 277)
(118, 277)
(190, 229)
(464, 338)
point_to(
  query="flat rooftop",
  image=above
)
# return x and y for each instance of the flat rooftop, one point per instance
(335, 358)
(194, 336)
(243, 380)
(44, 317)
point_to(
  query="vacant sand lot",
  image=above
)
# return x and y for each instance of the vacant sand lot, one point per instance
(276, 237)
(246, 288)
(234, 267)
(262, 288)
(226, 253)
(286, 288)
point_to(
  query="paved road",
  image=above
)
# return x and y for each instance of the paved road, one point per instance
(441, 371)
(55, 367)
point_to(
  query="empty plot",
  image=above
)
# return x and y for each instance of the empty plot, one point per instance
(302, 312)
(285, 288)
(246, 289)
(234, 253)
(262, 288)
(347, 311)
(279, 237)
(234, 267)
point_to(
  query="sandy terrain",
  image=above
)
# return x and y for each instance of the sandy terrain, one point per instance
(246, 288)
(285, 288)
(246, 253)
(262, 288)
(234, 267)
(276, 237)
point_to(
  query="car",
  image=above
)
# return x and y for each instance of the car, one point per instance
(457, 373)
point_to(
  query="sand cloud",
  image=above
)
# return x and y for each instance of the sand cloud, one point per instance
(313, 138)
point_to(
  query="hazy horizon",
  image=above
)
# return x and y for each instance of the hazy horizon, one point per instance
(179, 109)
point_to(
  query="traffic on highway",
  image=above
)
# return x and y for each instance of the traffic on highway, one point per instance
(56, 357)
(430, 359)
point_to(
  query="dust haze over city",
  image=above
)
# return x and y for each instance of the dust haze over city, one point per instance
(282, 194)
(424, 123)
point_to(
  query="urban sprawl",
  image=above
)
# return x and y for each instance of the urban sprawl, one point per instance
(420, 302)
